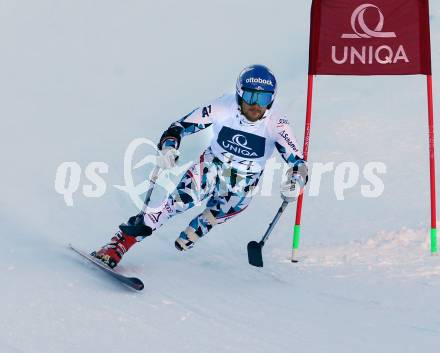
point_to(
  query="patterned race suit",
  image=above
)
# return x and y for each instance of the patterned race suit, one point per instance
(229, 169)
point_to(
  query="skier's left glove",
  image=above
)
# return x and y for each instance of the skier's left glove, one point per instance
(167, 158)
(297, 178)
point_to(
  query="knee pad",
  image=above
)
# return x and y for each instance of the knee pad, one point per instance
(186, 239)
(210, 218)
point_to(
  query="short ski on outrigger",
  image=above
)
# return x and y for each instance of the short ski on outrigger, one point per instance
(131, 282)
(255, 249)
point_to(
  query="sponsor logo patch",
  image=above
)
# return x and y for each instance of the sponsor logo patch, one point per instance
(259, 80)
(240, 143)
(283, 121)
(286, 137)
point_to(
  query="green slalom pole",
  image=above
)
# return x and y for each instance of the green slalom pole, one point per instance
(434, 245)
(295, 244)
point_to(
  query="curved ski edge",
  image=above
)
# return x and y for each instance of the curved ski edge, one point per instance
(131, 282)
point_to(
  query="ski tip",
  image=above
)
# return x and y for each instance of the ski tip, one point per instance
(134, 283)
(138, 284)
(71, 246)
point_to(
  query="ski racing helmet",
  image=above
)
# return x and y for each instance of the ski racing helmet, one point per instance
(256, 84)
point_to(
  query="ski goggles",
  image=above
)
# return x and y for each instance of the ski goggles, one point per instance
(263, 99)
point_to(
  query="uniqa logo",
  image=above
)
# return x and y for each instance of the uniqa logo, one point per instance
(358, 16)
(240, 140)
(259, 80)
(238, 144)
(383, 54)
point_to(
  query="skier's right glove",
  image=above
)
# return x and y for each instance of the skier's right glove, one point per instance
(167, 158)
(297, 178)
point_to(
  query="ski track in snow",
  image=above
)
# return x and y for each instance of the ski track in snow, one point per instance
(376, 295)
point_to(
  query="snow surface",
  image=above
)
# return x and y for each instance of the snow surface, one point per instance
(80, 80)
(375, 296)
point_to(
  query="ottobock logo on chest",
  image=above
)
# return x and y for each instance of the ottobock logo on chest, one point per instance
(240, 143)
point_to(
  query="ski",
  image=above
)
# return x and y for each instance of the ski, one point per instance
(131, 282)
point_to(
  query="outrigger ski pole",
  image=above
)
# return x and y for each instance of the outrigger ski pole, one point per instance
(152, 182)
(255, 255)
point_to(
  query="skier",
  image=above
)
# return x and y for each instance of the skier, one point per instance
(247, 127)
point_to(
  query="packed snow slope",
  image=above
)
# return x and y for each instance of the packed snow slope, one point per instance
(81, 80)
(374, 296)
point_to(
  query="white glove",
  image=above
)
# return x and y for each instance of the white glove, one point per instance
(167, 158)
(296, 180)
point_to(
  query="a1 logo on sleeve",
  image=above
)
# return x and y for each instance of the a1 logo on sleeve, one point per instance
(206, 111)
(241, 143)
